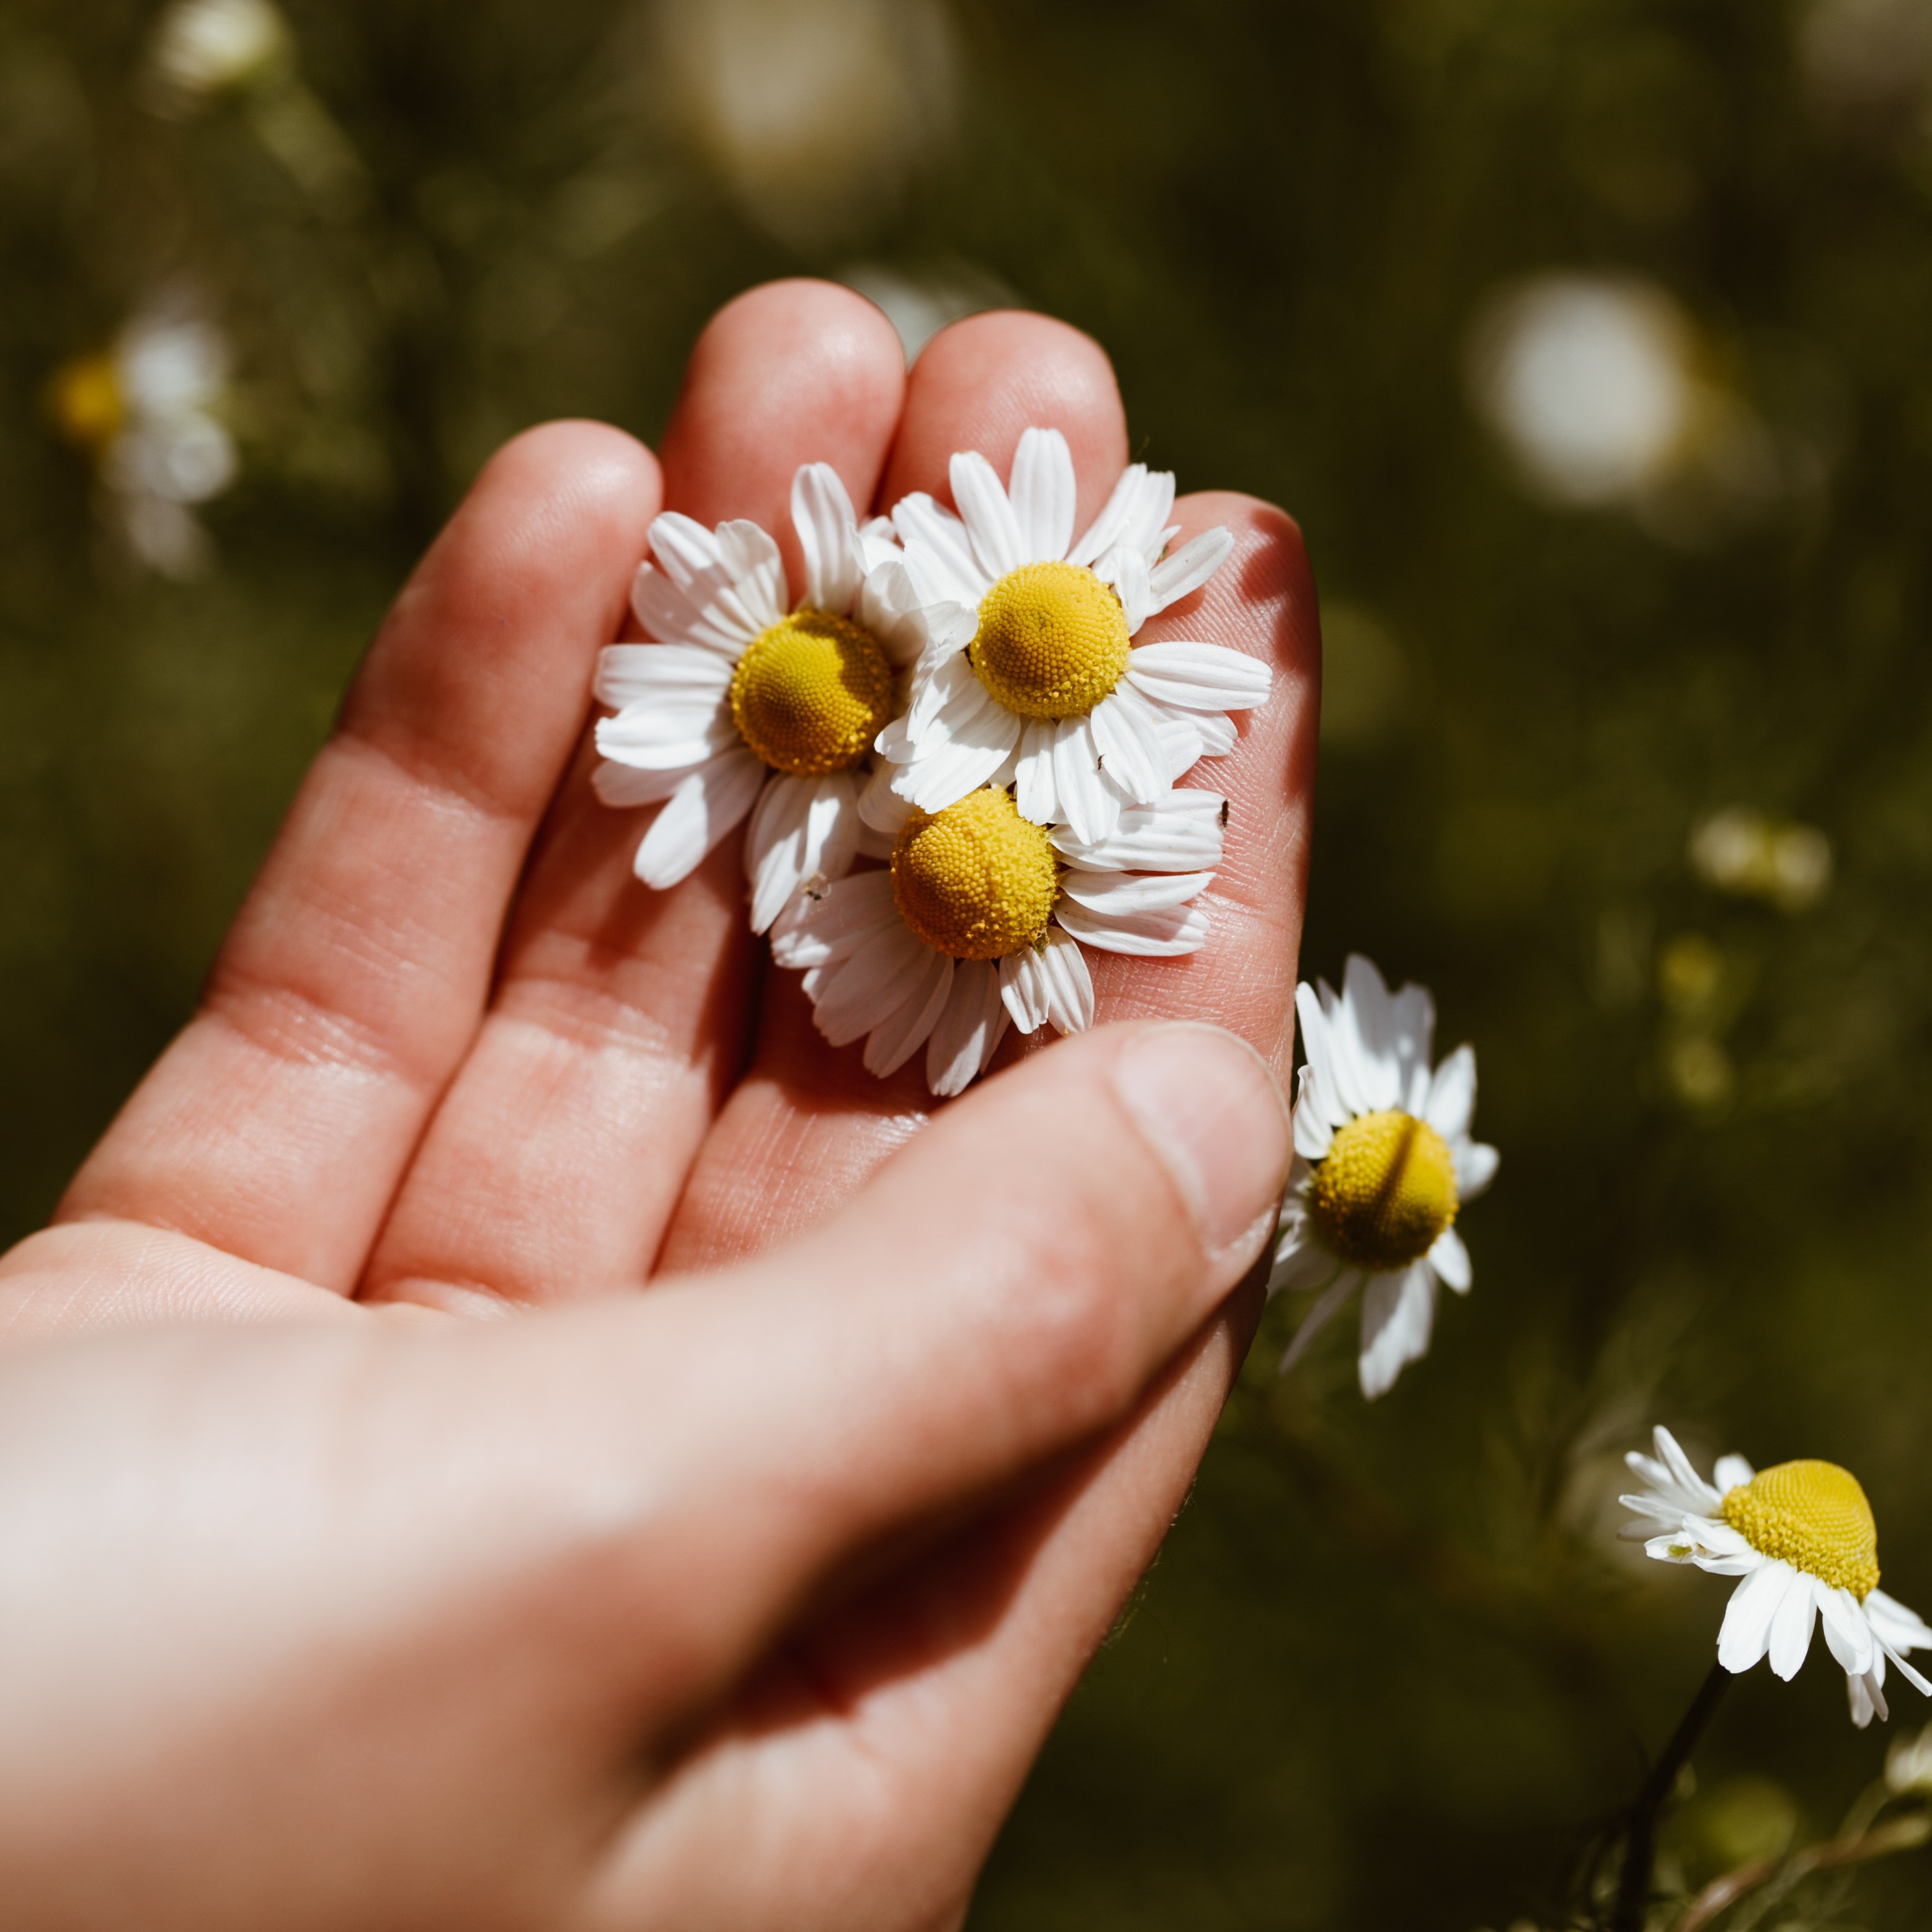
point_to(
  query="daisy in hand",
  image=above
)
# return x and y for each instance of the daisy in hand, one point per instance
(1801, 1537)
(742, 704)
(1383, 1161)
(1030, 674)
(980, 920)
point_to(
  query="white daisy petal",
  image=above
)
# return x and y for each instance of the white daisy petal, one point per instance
(1181, 743)
(669, 616)
(972, 757)
(1450, 1260)
(1398, 1313)
(1746, 1633)
(1167, 934)
(1093, 809)
(1683, 1471)
(752, 557)
(1190, 566)
(688, 553)
(1023, 987)
(1115, 893)
(1126, 570)
(627, 785)
(664, 737)
(938, 552)
(1034, 794)
(657, 674)
(1896, 1627)
(1452, 1095)
(867, 987)
(1199, 677)
(828, 533)
(1313, 1135)
(1299, 1265)
(881, 808)
(1042, 491)
(969, 1031)
(1135, 514)
(1730, 1472)
(1069, 986)
(1318, 1319)
(1317, 1046)
(1181, 831)
(1415, 1013)
(1475, 1167)
(1127, 736)
(1847, 1634)
(803, 829)
(819, 929)
(894, 1041)
(1866, 1697)
(992, 528)
(1368, 1024)
(1791, 1627)
(710, 801)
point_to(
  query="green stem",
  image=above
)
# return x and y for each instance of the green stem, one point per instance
(1640, 1821)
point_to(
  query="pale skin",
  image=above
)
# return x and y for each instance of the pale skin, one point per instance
(508, 1429)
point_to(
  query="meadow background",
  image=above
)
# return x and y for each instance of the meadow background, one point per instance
(1390, 1665)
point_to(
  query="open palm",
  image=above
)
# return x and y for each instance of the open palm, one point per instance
(742, 1602)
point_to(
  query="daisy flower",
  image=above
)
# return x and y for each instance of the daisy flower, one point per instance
(980, 920)
(1030, 674)
(1383, 1161)
(1801, 1538)
(149, 411)
(743, 705)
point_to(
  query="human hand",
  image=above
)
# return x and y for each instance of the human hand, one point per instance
(453, 1058)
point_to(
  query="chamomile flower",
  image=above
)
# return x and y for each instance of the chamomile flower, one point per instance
(743, 703)
(1383, 1161)
(1030, 675)
(150, 410)
(980, 920)
(1801, 1538)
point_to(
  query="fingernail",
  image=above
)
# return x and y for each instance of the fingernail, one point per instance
(1209, 1107)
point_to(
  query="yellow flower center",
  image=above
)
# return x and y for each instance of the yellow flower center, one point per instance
(1052, 640)
(810, 694)
(1813, 1516)
(1383, 1191)
(85, 399)
(977, 880)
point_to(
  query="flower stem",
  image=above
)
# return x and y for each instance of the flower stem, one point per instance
(1640, 1821)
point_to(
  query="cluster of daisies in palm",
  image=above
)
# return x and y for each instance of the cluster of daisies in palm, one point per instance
(960, 697)
(960, 772)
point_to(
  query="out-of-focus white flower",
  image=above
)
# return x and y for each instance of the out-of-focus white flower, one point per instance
(147, 409)
(919, 306)
(812, 110)
(1757, 857)
(1383, 1161)
(1801, 1538)
(1867, 59)
(1589, 382)
(204, 48)
(1908, 1765)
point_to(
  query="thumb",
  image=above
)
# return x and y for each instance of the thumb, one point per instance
(1008, 1284)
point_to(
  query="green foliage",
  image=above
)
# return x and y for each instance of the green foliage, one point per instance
(1391, 1669)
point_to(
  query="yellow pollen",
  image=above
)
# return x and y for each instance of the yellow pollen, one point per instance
(1052, 640)
(86, 400)
(977, 880)
(1813, 1516)
(1383, 1191)
(810, 694)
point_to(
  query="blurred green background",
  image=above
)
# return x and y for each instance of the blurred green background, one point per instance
(1591, 342)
